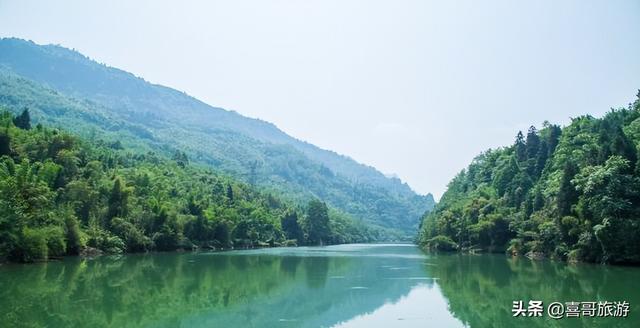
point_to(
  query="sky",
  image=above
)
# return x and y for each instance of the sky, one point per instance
(413, 88)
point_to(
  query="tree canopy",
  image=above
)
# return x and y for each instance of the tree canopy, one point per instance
(570, 193)
(60, 194)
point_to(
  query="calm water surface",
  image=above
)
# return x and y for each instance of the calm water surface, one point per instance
(336, 286)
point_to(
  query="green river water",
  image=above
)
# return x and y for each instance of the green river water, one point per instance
(336, 286)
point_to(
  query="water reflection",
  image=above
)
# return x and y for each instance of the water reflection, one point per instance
(481, 289)
(341, 286)
(423, 306)
(306, 287)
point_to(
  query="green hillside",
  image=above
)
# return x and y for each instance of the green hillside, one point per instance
(63, 88)
(60, 194)
(569, 193)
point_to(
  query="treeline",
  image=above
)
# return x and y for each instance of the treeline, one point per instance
(60, 195)
(570, 193)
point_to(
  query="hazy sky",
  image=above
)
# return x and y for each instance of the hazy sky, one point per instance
(415, 88)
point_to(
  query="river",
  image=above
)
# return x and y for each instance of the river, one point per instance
(391, 285)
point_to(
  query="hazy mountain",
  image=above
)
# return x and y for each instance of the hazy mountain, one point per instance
(63, 87)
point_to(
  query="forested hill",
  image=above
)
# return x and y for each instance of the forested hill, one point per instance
(60, 195)
(570, 193)
(65, 88)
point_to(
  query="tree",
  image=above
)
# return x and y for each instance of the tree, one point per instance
(567, 194)
(533, 150)
(229, 193)
(622, 146)
(59, 195)
(553, 136)
(181, 158)
(5, 144)
(317, 222)
(23, 121)
(504, 176)
(166, 239)
(222, 235)
(533, 142)
(117, 204)
(610, 192)
(541, 159)
(521, 149)
(291, 227)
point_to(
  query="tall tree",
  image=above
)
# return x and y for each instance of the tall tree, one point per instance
(533, 142)
(567, 194)
(504, 176)
(117, 204)
(533, 149)
(23, 121)
(229, 193)
(521, 149)
(291, 227)
(541, 158)
(5, 144)
(553, 136)
(317, 222)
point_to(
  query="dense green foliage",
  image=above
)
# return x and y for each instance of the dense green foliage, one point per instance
(60, 195)
(570, 193)
(63, 88)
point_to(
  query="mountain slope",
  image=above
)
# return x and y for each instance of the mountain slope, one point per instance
(570, 193)
(60, 194)
(155, 117)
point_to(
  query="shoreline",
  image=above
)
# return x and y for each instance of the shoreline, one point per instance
(196, 250)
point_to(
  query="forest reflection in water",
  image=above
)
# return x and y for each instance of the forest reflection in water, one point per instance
(342, 286)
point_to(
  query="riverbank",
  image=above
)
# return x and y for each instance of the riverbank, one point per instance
(91, 252)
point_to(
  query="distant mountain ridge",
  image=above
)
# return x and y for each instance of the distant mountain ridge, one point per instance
(157, 116)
